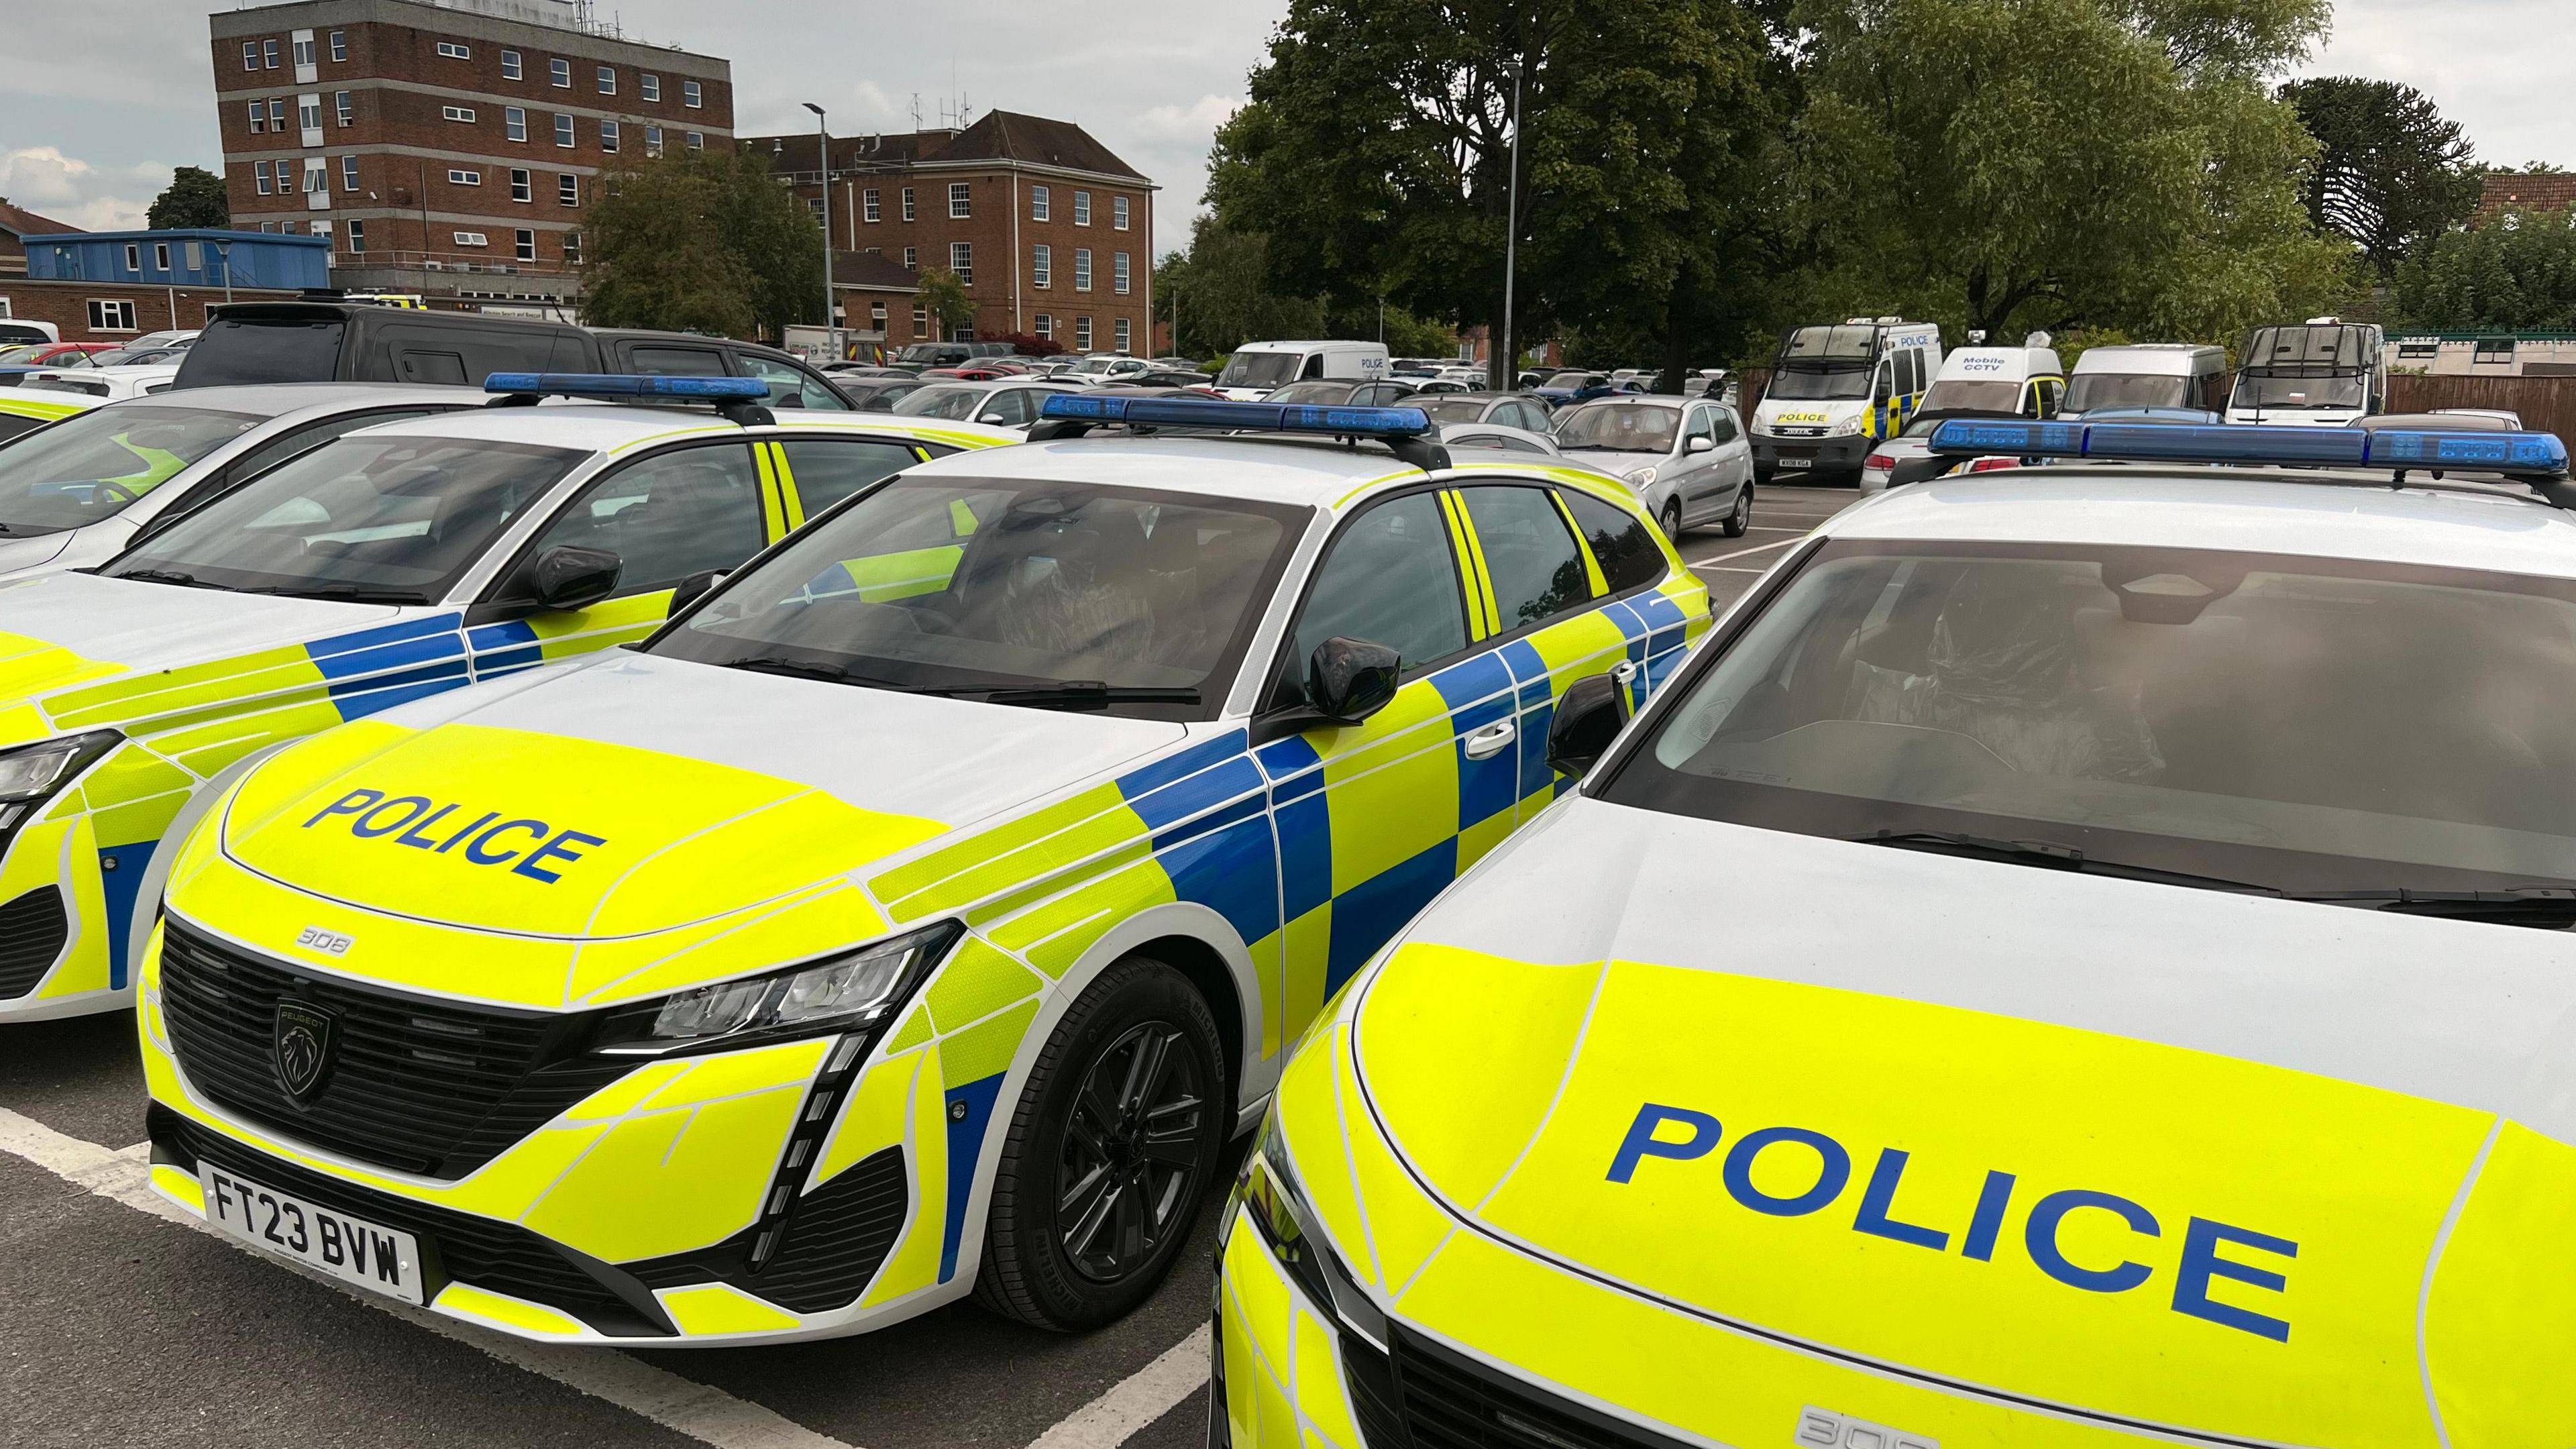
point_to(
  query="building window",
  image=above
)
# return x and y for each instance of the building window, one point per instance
(161, 256)
(1042, 266)
(1082, 208)
(697, 141)
(259, 175)
(317, 176)
(303, 53)
(958, 204)
(690, 95)
(357, 235)
(133, 257)
(454, 51)
(339, 46)
(907, 203)
(111, 316)
(652, 140)
(471, 239)
(1037, 203)
(1118, 274)
(608, 80)
(920, 320)
(308, 110)
(1082, 334)
(458, 176)
(559, 71)
(458, 113)
(347, 108)
(1118, 329)
(348, 173)
(912, 259)
(527, 243)
(1082, 269)
(961, 260)
(1118, 213)
(608, 136)
(563, 130)
(268, 55)
(258, 117)
(514, 123)
(652, 87)
(815, 204)
(877, 316)
(872, 205)
(277, 113)
(568, 190)
(572, 248)
(522, 187)
(510, 66)
(1046, 327)
(250, 55)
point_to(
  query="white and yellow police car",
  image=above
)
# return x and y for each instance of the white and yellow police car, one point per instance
(2057, 970)
(395, 562)
(917, 914)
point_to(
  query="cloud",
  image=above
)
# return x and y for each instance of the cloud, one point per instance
(45, 181)
(1196, 122)
(2501, 93)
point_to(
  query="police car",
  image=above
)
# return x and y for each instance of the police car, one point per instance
(395, 562)
(918, 914)
(2080, 959)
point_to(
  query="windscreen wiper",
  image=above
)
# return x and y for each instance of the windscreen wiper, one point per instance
(343, 593)
(1080, 694)
(815, 669)
(2052, 856)
(166, 576)
(2549, 908)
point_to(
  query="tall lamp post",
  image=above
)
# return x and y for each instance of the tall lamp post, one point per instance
(1508, 358)
(823, 161)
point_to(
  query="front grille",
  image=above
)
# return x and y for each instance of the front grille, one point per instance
(837, 1237)
(1423, 1396)
(422, 1086)
(455, 1247)
(33, 929)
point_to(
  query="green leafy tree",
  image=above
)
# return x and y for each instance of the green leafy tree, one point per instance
(2516, 272)
(944, 293)
(1219, 291)
(701, 241)
(1374, 154)
(194, 198)
(2389, 170)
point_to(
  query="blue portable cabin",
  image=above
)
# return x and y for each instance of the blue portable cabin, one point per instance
(186, 257)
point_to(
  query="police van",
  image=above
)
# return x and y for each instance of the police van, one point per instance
(1256, 369)
(2322, 373)
(1834, 388)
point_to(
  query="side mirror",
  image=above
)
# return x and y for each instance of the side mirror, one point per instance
(1697, 444)
(1347, 680)
(991, 418)
(1588, 718)
(567, 577)
(693, 588)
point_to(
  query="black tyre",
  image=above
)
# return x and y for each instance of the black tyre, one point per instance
(1740, 517)
(1114, 1142)
(1671, 519)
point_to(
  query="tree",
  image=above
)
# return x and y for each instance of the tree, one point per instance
(944, 293)
(195, 197)
(701, 241)
(1374, 155)
(2389, 171)
(1219, 291)
(2515, 273)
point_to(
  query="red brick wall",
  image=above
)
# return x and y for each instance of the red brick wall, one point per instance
(66, 305)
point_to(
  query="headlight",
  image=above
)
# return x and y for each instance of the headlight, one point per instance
(1642, 477)
(31, 772)
(1269, 1194)
(840, 993)
(1850, 427)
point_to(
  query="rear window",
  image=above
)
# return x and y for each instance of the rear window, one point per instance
(243, 350)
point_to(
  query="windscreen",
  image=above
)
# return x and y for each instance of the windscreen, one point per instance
(1618, 427)
(1848, 344)
(2295, 724)
(1816, 384)
(391, 519)
(1317, 392)
(962, 586)
(2294, 391)
(1973, 395)
(244, 350)
(1258, 369)
(1453, 410)
(93, 465)
(2089, 390)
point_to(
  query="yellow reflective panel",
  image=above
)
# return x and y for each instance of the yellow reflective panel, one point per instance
(467, 1301)
(1309, 1115)
(2501, 1316)
(975, 982)
(985, 1049)
(1391, 784)
(84, 964)
(2169, 1235)
(914, 1263)
(1018, 851)
(31, 666)
(873, 1117)
(1406, 1228)
(1082, 916)
(719, 1308)
(565, 634)
(179, 1186)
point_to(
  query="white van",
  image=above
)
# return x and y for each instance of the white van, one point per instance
(2148, 375)
(1836, 387)
(2322, 373)
(1257, 369)
(17, 331)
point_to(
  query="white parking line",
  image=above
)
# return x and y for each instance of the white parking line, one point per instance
(708, 1415)
(1741, 552)
(1135, 1401)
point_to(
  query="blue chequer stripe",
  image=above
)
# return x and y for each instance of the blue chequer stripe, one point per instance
(501, 648)
(375, 669)
(965, 1145)
(1369, 914)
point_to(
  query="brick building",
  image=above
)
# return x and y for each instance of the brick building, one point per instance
(2525, 191)
(446, 148)
(1051, 230)
(16, 224)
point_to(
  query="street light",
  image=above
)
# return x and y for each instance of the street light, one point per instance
(1509, 358)
(823, 161)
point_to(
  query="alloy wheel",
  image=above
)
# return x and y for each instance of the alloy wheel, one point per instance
(1132, 1155)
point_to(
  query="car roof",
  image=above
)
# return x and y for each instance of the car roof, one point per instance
(1631, 399)
(605, 427)
(2285, 511)
(1316, 473)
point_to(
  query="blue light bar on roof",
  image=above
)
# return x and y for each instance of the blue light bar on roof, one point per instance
(2535, 455)
(1187, 412)
(626, 385)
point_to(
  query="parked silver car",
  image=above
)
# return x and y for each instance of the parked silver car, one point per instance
(1687, 457)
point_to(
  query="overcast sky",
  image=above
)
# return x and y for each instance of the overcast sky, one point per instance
(104, 98)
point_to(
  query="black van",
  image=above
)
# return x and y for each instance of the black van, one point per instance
(335, 341)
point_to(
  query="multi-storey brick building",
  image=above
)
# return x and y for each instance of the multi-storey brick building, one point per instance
(1052, 232)
(448, 147)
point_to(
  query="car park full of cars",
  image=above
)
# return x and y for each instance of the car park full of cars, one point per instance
(2133, 1010)
(386, 565)
(917, 913)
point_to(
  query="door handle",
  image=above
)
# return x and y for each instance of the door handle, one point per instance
(1624, 672)
(1490, 740)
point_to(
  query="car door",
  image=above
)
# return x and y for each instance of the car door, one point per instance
(1732, 462)
(1701, 485)
(666, 515)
